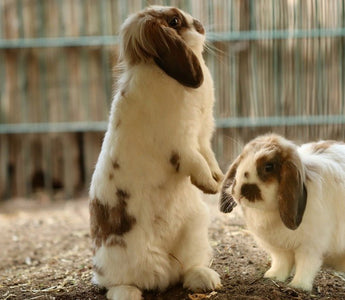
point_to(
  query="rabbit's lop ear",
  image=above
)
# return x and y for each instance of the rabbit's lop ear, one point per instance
(172, 54)
(226, 201)
(292, 194)
(148, 36)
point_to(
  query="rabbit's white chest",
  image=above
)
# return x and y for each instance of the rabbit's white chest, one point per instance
(269, 228)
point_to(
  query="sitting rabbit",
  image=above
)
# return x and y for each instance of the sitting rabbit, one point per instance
(293, 201)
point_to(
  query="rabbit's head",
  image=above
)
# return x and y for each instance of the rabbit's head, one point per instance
(168, 37)
(268, 175)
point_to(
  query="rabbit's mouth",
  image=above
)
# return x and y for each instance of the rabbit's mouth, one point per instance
(194, 40)
(243, 201)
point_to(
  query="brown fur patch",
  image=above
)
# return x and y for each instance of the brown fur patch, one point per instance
(116, 164)
(175, 161)
(125, 221)
(268, 168)
(106, 221)
(111, 176)
(251, 192)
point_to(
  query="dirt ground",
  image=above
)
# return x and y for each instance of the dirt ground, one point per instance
(46, 254)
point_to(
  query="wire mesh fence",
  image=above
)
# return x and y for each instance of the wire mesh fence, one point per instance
(277, 65)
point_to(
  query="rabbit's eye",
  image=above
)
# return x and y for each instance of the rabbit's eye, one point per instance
(174, 22)
(269, 167)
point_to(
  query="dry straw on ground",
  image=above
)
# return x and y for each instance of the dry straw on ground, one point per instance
(46, 254)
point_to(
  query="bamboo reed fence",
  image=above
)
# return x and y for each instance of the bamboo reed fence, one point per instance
(278, 65)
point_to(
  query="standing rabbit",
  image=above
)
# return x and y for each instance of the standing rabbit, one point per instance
(293, 201)
(148, 222)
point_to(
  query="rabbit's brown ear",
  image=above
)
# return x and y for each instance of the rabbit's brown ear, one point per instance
(226, 201)
(292, 195)
(145, 37)
(173, 55)
(179, 62)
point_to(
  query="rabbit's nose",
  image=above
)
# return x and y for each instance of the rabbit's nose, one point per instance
(251, 192)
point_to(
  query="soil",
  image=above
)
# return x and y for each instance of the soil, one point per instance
(46, 254)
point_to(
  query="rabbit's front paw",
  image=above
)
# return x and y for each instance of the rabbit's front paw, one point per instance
(280, 275)
(282, 263)
(305, 285)
(193, 164)
(218, 176)
(201, 279)
(210, 186)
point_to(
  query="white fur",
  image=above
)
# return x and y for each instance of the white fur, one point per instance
(155, 116)
(320, 238)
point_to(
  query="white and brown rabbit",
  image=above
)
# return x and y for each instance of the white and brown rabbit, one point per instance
(293, 201)
(148, 222)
